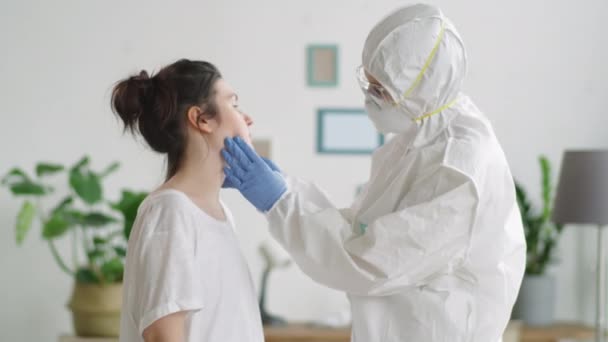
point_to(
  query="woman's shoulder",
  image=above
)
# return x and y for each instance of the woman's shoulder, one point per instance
(165, 210)
(166, 199)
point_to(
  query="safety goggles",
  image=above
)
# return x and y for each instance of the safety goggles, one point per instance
(377, 92)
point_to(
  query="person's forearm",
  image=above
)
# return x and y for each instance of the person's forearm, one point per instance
(171, 328)
(166, 338)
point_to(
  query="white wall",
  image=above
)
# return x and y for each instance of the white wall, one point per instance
(537, 68)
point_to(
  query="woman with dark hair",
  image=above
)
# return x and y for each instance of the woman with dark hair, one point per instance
(185, 277)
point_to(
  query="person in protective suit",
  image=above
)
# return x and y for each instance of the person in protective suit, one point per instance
(433, 247)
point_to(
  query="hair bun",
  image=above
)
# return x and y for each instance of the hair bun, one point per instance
(142, 80)
(143, 75)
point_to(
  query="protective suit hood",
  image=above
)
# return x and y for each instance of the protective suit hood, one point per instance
(418, 56)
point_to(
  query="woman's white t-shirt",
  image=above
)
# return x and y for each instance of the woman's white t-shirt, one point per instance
(181, 259)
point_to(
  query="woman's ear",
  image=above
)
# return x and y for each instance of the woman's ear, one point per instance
(199, 121)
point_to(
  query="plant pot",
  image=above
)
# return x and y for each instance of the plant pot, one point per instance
(96, 309)
(535, 304)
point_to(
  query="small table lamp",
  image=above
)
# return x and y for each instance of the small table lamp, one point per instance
(582, 198)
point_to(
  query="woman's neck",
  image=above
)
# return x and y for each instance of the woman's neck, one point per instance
(199, 176)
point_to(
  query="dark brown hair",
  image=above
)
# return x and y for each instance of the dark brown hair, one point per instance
(156, 106)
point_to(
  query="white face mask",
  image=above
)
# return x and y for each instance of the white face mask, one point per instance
(388, 118)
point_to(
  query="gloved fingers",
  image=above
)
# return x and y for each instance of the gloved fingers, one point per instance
(230, 161)
(231, 178)
(251, 154)
(227, 184)
(232, 158)
(234, 165)
(235, 151)
(271, 165)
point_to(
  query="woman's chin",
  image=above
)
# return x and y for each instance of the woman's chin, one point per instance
(248, 140)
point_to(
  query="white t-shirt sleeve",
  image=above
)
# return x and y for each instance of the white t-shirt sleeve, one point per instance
(168, 277)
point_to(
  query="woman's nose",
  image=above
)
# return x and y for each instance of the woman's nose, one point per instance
(248, 119)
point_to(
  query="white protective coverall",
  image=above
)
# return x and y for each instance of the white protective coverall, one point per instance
(432, 250)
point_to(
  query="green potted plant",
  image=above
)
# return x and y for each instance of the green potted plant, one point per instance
(535, 304)
(98, 230)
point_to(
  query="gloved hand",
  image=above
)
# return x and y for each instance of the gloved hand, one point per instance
(258, 182)
(229, 185)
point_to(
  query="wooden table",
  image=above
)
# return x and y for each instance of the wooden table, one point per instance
(557, 332)
(307, 333)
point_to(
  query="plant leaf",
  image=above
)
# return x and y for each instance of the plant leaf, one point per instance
(43, 169)
(82, 162)
(112, 270)
(86, 276)
(128, 205)
(75, 217)
(110, 169)
(28, 188)
(96, 219)
(546, 186)
(541, 233)
(522, 199)
(24, 220)
(92, 219)
(15, 175)
(97, 241)
(56, 226)
(87, 185)
(95, 254)
(120, 251)
(63, 204)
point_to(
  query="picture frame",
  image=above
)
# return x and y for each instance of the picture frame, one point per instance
(346, 131)
(263, 147)
(322, 65)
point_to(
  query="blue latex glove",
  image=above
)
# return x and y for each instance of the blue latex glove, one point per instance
(250, 174)
(229, 185)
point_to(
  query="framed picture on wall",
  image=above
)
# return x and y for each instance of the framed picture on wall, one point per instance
(263, 147)
(346, 131)
(322, 65)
